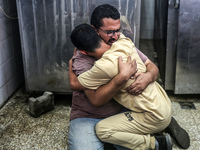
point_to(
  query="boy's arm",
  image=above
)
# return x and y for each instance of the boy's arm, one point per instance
(105, 92)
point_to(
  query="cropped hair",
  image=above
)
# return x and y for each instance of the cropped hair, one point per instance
(103, 11)
(84, 37)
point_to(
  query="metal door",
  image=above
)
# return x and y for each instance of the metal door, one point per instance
(45, 27)
(187, 79)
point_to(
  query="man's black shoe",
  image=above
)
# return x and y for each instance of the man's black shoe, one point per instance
(164, 141)
(180, 136)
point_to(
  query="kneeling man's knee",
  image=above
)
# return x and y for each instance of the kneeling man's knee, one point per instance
(102, 131)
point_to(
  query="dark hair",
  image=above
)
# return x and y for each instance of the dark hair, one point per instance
(103, 11)
(84, 37)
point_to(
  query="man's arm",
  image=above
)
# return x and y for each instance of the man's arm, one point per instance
(105, 92)
(152, 70)
(73, 80)
(144, 79)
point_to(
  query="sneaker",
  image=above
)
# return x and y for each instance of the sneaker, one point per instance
(164, 142)
(179, 135)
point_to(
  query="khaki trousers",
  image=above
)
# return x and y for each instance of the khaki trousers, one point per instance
(122, 129)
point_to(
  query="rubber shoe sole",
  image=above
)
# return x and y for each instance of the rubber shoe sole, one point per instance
(179, 135)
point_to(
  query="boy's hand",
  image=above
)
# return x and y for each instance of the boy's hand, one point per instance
(70, 61)
(127, 70)
(75, 51)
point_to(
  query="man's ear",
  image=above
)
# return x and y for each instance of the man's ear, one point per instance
(93, 26)
(95, 29)
(83, 52)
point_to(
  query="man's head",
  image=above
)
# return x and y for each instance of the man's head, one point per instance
(106, 21)
(85, 38)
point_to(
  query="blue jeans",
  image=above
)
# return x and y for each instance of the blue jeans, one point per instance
(82, 135)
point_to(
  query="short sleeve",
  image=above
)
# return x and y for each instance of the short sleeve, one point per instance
(142, 55)
(94, 78)
(82, 63)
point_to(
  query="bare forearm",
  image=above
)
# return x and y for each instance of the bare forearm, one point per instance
(144, 79)
(152, 71)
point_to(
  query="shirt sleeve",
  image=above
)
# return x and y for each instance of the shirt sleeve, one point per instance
(142, 55)
(94, 78)
(82, 63)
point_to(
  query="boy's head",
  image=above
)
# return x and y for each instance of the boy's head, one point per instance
(84, 37)
(106, 21)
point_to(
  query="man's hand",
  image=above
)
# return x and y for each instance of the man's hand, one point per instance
(140, 84)
(142, 80)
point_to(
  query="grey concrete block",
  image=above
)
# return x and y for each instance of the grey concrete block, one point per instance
(41, 104)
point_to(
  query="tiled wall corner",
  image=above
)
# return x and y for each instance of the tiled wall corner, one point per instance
(3, 94)
(11, 66)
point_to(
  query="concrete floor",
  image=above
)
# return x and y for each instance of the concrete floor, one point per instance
(20, 131)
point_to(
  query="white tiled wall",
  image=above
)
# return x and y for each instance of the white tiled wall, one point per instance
(11, 68)
(147, 19)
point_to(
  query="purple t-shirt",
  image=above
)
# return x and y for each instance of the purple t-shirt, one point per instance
(81, 106)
